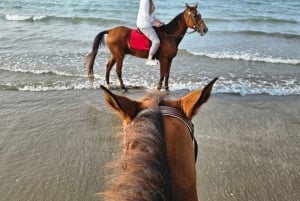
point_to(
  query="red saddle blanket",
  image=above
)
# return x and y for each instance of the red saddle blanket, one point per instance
(139, 41)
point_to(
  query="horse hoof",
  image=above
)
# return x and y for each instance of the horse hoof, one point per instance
(107, 86)
(91, 78)
(124, 89)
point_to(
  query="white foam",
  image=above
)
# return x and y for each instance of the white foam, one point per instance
(61, 86)
(248, 57)
(23, 17)
(235, 88)
(40, 71)
(36, 18)
(244, 87)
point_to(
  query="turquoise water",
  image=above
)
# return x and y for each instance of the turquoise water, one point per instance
(252, 46)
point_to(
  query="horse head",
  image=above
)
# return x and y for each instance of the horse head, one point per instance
(194, 20)
(158, 158)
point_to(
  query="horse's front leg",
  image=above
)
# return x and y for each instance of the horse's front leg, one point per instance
(162, 65)
(167, 82)
(164, 73)
(160, 81)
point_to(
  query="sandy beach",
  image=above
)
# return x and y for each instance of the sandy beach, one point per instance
(54, 146)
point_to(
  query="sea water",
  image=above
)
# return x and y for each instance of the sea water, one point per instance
(252, 46)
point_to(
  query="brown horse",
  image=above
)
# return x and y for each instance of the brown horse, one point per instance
(171, 35)
(158, 161)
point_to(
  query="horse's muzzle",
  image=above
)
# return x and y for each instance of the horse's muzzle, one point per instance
(203, 31)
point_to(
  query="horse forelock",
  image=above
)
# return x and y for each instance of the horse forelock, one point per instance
(144, 174)
(152, 100)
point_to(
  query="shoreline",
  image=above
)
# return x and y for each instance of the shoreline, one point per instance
(55, 145)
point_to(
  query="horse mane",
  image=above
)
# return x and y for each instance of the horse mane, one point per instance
(173, 25)
(141, 173)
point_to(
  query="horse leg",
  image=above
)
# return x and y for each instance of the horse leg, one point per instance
(167, 75)
(119, 73)
(160, 81)
(164, 73)
(91, 77)
(109, 66)
(167, 82)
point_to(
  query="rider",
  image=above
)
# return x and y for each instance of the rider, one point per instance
(145, 22)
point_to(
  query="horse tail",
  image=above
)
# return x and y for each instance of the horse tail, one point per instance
(99, 39)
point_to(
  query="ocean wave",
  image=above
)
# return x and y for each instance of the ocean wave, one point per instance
(268, 20)
(244, 87)
(248, 57)
(68, 19)
(224, 85)
(252, 20)
(260, 33)
(51, 86)
(24, 17)
(273, 34)
(41, 72)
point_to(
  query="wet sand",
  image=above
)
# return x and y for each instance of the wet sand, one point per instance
(54, 146)
(249, 148)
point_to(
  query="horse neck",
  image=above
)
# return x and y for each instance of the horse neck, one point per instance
(177, 27)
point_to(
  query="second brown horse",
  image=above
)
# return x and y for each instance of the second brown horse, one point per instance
(157, 162)
(171, 35)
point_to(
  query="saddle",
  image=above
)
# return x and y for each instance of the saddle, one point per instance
(138, 41)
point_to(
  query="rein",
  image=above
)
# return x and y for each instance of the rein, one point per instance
(173, 112)
(181, 36)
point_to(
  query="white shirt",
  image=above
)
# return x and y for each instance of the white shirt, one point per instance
(143, 18)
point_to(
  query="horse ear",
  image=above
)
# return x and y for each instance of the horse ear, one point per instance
(191, 102)
(125, 107)
(189, 7)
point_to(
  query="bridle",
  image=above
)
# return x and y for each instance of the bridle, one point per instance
(176, 113)
(173, 112)
(196, 26)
